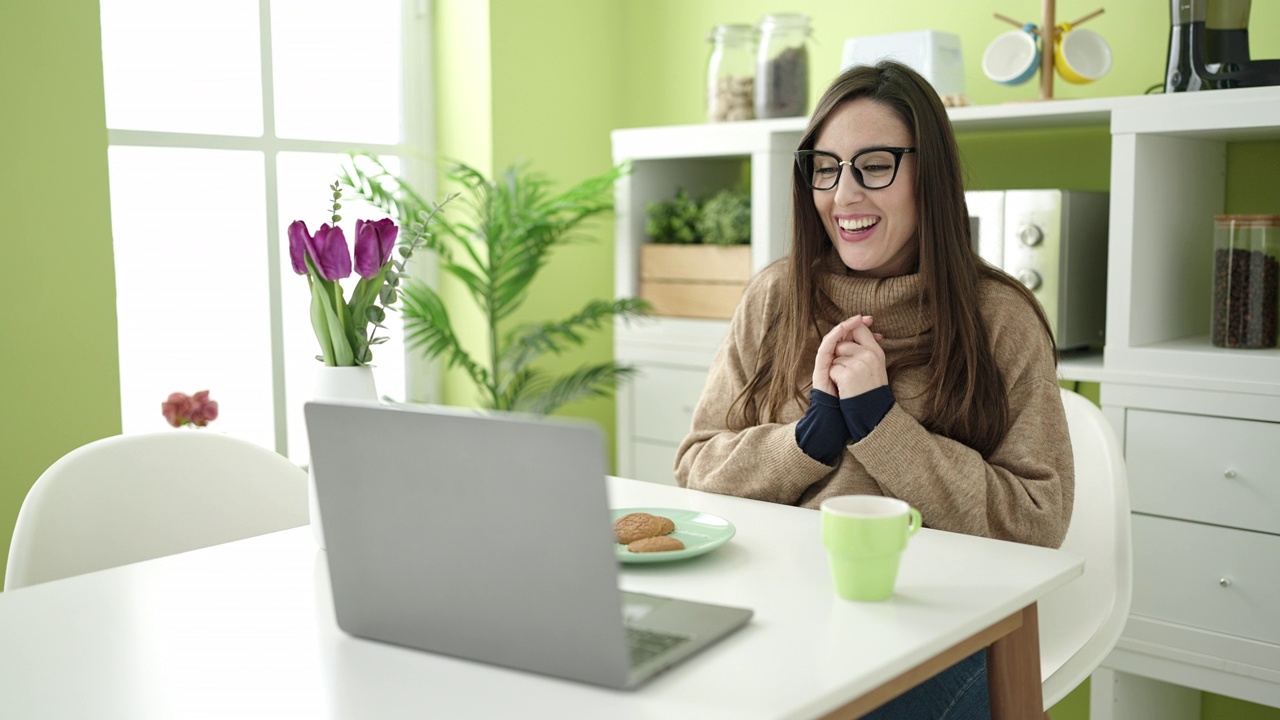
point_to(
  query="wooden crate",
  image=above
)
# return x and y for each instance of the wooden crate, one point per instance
(700, 281)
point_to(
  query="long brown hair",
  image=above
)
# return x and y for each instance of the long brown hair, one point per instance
(966, 399)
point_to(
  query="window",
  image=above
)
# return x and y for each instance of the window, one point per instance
(228, 119)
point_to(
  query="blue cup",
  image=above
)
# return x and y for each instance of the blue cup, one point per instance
(1013, 57)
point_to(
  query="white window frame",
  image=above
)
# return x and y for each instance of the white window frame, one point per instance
(417, 142)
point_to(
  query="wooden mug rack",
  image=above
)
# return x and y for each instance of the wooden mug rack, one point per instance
(1048, 31)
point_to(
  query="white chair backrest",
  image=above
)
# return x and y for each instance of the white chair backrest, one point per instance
(129, 498)
(1081, 622)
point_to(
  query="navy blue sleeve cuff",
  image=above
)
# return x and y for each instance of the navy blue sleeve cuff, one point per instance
(862, 413)
(821, 433)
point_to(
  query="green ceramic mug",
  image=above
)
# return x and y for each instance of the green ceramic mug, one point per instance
(865, 536)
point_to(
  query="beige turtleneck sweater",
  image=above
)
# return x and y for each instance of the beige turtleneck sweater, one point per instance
(1022, 492)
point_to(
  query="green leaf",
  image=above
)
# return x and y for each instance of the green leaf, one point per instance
(427, 327)
(587, 381)
(530, 341)
(320, 322)
(342, 354)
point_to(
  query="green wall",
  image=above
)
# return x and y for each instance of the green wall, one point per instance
(464, 132)
(59, 374)
(667, 49)
(514, 87)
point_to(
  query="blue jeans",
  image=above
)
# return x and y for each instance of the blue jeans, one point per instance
(957, 693)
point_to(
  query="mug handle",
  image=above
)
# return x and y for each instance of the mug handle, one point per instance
(914, 521)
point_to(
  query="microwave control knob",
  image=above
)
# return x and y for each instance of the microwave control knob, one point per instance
(1030, 235)
(1030, 278)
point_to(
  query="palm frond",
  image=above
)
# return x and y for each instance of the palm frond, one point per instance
(587, 381)
(529, 341)
(516, 387)
(427, 327)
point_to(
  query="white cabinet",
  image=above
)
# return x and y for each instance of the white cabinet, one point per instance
(1201, 424)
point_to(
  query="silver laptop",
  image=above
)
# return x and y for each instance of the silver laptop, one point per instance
(488, 537)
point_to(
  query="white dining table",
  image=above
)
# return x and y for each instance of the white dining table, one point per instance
(247, 630)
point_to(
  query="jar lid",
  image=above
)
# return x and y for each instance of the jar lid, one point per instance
(1247, 220)
(732, 31)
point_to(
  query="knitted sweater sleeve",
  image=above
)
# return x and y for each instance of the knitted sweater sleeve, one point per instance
(762, 462)
(1022, 492)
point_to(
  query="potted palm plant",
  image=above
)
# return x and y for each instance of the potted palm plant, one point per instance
(495, 247)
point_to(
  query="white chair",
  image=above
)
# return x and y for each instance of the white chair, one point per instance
(129, 498)
(1081, 622)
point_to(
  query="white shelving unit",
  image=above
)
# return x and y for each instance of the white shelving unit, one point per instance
(1201, 425)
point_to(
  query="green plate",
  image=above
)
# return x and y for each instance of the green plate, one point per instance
(700, 532)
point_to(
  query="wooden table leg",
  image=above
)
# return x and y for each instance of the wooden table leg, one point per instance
(1013, 672)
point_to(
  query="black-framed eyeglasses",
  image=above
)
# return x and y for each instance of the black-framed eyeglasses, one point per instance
(873, 168)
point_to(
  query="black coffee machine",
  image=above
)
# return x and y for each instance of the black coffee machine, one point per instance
(1209, 48)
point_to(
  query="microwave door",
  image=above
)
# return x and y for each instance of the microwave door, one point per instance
(986, 224)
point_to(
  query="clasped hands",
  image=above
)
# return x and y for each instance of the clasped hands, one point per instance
(850, 360)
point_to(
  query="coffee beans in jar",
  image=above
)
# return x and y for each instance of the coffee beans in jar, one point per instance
(731, 73)
(782, 68)
(1246, 281)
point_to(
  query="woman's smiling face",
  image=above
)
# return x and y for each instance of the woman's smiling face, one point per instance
(874, 231)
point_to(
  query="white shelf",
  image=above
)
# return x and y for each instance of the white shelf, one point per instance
(1033, 115)
(1193, 362)
(1228, 115)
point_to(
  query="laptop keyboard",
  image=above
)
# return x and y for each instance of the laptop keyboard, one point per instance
(645, 644)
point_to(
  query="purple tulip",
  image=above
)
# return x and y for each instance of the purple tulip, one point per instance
(328, 250)
(374, 242)
(298, 239)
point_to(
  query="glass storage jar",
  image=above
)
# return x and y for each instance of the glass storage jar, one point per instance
(731, 73)
(1246, 276)
(782, 66)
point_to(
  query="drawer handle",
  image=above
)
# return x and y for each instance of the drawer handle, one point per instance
(1230, 474)
(1224, 582)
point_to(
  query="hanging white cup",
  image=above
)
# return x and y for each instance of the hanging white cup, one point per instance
(1013, 57)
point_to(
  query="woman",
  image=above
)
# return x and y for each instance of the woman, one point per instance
(930, 375)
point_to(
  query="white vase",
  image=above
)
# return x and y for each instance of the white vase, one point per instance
(336, 383)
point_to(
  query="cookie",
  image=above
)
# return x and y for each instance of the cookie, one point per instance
(638, 525)
(668, 525)
(660, 543)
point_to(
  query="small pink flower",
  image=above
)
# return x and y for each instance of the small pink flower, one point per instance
(182, 409)
(204, 410)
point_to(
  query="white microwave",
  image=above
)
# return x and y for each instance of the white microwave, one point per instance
(1055, 243)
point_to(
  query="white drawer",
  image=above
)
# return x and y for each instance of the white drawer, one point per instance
(654, 462)
(1210, 469)
(665, 397)
(1208, 577)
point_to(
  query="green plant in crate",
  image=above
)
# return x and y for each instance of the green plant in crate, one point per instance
(507, 230)
(726, 219)
(673, 221)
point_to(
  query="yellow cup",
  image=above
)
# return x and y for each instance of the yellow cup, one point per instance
(1080, 56)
